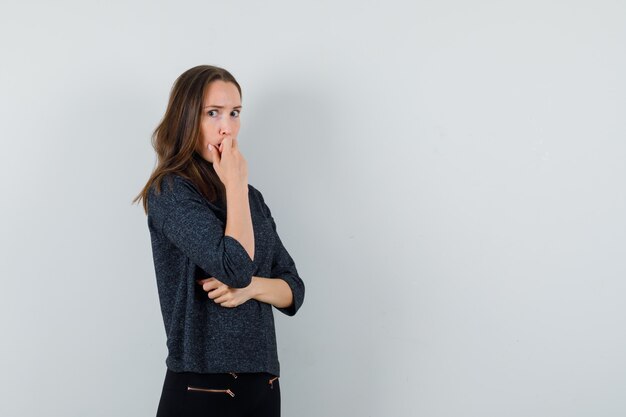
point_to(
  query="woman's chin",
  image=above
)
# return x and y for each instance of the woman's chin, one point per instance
(207, 158)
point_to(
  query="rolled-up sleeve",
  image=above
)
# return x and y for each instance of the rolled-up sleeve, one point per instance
(199, 234)
(284, 267)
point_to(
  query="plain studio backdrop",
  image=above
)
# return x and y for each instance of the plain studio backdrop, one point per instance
(449, 177)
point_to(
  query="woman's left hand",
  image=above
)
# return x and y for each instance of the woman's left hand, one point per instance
(224, 295)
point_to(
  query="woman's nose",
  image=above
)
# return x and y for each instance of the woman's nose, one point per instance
(225, 129)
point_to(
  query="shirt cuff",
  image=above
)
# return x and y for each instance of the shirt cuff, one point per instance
(237, 262)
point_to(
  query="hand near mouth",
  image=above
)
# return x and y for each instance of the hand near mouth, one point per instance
(229, 164)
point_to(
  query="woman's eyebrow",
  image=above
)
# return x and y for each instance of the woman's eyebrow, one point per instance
(221, 107)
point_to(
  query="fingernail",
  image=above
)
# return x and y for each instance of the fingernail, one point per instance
(210, 147)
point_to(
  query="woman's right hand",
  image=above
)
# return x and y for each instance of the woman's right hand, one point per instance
(229, 164)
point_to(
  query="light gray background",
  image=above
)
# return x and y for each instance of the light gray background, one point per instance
(448, 176)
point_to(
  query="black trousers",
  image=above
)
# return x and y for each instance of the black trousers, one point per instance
(190, 394)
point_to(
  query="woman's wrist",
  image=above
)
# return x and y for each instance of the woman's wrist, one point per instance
(274, 291)
(237, 188)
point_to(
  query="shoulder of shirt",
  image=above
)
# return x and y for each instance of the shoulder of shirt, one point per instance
(258, 196)
(173, 188)
(256, 193)
(254, 190)
(182, 186)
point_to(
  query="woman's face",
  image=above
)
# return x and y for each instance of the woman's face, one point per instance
(220, 116)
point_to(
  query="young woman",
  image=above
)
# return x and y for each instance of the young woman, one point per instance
(220, 265)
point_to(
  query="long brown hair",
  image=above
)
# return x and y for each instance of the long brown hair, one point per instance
(176, 137)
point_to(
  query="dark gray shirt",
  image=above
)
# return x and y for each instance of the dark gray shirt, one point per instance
(188, 243)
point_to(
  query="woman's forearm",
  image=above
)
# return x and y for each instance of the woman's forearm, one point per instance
(238, 218)
(273, 291)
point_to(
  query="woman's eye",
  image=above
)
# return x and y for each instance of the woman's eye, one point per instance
(213, 113)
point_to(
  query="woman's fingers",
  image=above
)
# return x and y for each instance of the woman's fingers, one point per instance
(231, 167)
(222, 298)
(216, 293)
(214, 153)
(216, 290)
(209, 284)
(227, 143)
